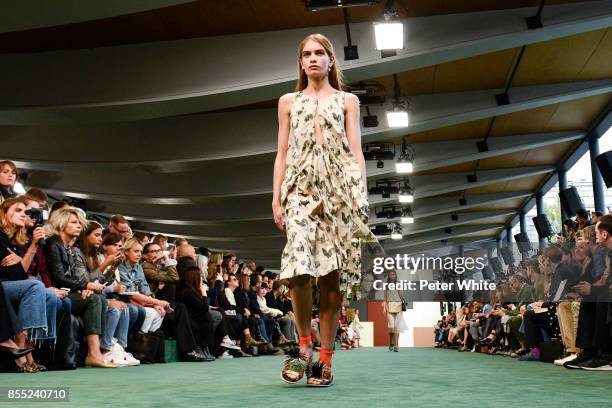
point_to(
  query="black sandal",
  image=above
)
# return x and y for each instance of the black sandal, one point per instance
(320, 375)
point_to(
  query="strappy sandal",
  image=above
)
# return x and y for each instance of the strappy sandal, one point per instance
(295, 364)
(29, 367)
(319, 375)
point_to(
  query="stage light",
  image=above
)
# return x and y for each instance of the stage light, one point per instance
(407, 217)
(405, 194)
(380, 164)
(317, 5)
(389, 34)
(396, 233)
(404, 164)
(397, 117)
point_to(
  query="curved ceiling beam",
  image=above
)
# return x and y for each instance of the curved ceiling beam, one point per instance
(437, 222)
(433, 236)
(224, 213)
(147, 152)
(191, 188)
(29, 14)
(133, 83)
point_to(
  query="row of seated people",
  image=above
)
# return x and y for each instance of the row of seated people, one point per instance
(118, 287)
(565, 295)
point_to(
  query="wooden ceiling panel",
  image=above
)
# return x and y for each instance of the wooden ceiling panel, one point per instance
(524, 184)
(528, 121)
(599, 65)
(542, 156)
(504, 205)
(558, 60)
(487, 71)
(457, 168)
(468, 130)
(222, 17)
(578, 114)
(488, 221)
(416, 82)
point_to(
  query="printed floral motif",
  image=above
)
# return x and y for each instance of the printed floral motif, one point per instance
(321, 195)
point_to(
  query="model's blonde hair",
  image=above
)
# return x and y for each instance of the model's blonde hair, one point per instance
(58, 220)
(335, 74)
(20, 236)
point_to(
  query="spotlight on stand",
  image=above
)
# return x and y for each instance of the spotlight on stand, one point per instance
(390, 33)
(396, 232)
(405, 194)
(407, 217)
(398, 116)
(404, 163)
(318, 5)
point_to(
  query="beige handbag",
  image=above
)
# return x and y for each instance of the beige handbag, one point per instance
(394, 307)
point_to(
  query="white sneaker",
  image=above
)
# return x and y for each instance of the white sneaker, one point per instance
(226, 354)
(229, 343)
(130, 359)
(111, 357)
(562, 361)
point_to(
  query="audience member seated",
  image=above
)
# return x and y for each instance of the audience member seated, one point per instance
(8, 178)
(35, 306)
(66, 225)
(132, 276)
(108, 261)
(118, 224)
(117, 316)
(160, 273)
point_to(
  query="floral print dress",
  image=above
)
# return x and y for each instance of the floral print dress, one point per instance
(322, 194)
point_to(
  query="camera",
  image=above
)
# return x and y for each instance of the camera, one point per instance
(40, 217)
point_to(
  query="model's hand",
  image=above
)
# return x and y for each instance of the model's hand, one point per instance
(278, 216)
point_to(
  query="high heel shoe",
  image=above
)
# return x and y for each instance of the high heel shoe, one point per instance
(11, 353)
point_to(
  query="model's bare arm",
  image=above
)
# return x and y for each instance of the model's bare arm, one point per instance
(284, 108)
(353, 132)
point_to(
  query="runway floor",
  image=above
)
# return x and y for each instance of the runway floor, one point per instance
(368, 377)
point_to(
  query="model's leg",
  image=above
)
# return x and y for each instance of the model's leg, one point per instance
(301, 300)
(329, 311)
(297, 361)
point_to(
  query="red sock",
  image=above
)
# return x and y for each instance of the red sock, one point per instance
(325, 356)
(305, 341)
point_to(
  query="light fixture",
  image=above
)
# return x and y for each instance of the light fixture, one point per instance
(397, 116)
(318, 5)
(380, 164)
(18, 188)
(407, 217)
(404, 163)
(396, 232)
(405, 194)
(390, 33)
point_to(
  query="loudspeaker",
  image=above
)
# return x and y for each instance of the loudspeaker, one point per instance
(496, 265)
(542, 225)
(571, 201)
(604, 162)
(507, 255)
(523, 243)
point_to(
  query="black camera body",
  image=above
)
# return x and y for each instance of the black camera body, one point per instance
(39, 217)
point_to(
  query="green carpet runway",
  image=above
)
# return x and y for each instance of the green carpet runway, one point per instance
(364, 378)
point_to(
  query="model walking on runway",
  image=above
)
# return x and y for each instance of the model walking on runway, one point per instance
(319, 199)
